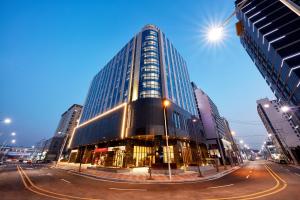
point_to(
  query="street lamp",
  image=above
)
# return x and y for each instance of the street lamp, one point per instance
(13, 134)
(285, 108)
(216, 33)
(7, 121)
(241, 141)
(166, 103)
(13, 141)
(266, 105)
(198, 148)
(232, 133)
(269, 135)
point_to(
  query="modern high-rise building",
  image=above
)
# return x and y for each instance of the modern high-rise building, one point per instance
(216, 128)
(269, 30)
(68, 121)
(283, 132)
(123, 122)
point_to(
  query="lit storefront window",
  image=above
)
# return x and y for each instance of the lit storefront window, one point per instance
(141, 155)
(171, 152)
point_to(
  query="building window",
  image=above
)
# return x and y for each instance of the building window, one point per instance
(141, 155)
(171, 154)
(176, 120)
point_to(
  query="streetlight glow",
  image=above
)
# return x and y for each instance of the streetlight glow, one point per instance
(166, 103)
(7, 120)
(241, 141)
(233, 133)
(269, 134)
(266, 105)
(13, 133)
(215, 34)
(13, 141)
(285, 108)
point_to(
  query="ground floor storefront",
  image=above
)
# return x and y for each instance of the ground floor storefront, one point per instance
(142, 151)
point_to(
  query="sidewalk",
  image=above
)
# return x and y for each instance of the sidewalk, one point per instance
(143, 177)
(295, 166)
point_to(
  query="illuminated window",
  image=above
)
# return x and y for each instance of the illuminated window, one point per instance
(150, 37)
(151, 84)
(146, 43)
(150, 54)
(141, 154)
(152, 33)
(150, 76)
(150, 61)
(150, 48)
(171, 153)
(150, 68)
(150, 94)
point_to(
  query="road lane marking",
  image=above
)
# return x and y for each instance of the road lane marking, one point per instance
(297, 174)
(44, 192)
(221, 186)
(30, 189)
(65, 180)
(129, 189)
(275, 189)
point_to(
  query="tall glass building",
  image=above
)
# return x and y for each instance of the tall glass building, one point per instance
(270, 32)
(122, 122)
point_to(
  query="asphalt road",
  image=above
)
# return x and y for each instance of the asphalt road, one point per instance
(257, 180)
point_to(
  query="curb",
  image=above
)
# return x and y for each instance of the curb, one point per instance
(196, 180)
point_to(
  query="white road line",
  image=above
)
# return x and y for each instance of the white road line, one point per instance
(65, 180)
(130, 189)
(247, 176)
(221, 186)
(297, 174)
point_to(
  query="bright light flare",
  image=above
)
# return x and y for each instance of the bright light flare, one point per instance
(285, 108)
(7, 120)
(13, 134)
(166, 103)
(269, 134)
(215, 34)
(13, 141)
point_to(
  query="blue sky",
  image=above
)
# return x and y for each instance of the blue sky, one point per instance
(50, 50)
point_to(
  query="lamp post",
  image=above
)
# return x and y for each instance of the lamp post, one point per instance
(166, 103)
(13, 142)
(198, 149)
(5, 141)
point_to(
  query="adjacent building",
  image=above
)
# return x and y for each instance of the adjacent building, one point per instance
(69, 120)
(269, 30)
(124, 120)
(220, 142)
(283, 132)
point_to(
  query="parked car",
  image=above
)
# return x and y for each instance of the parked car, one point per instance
(281, 161)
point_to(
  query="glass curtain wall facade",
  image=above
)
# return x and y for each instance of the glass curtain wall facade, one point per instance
(122, 123)
(110, 87)
(270, 32)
